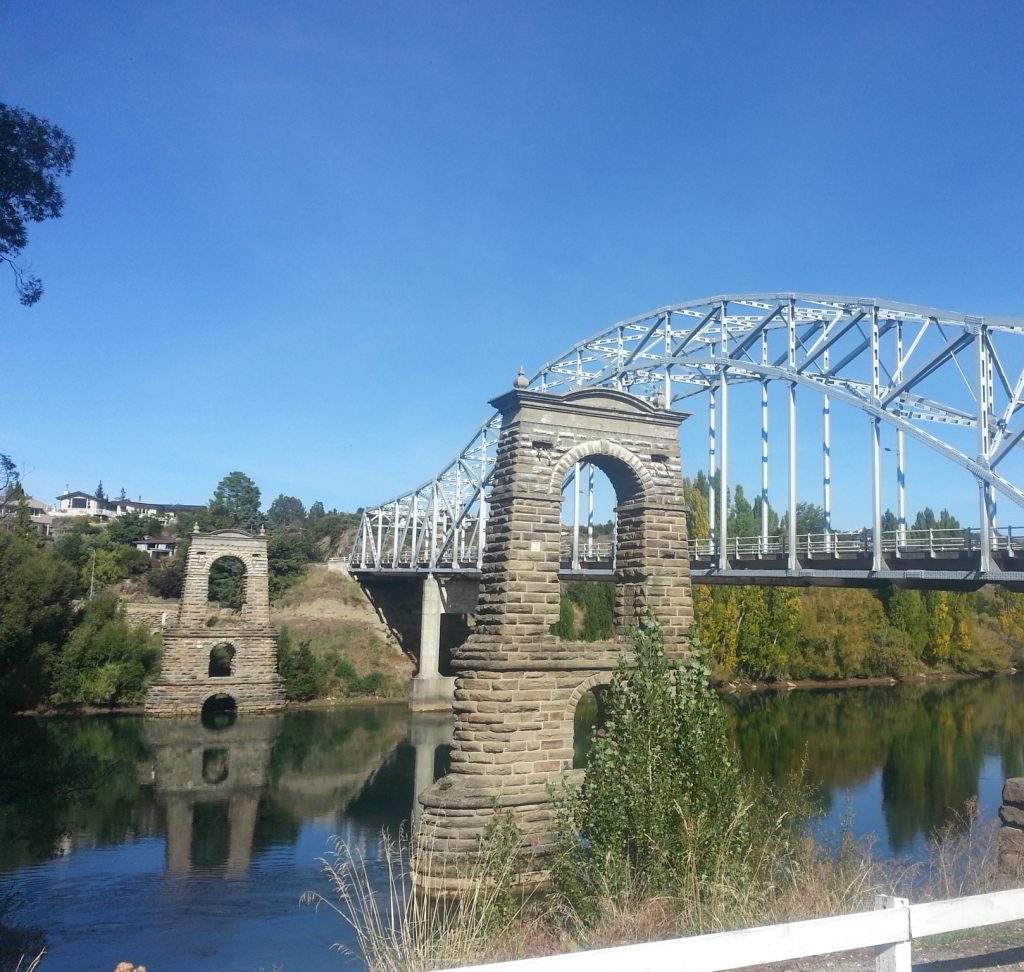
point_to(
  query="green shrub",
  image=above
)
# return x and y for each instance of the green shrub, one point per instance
(305, 676)
(343, 668)
(371, 684)
(663, 807)
(106, 660)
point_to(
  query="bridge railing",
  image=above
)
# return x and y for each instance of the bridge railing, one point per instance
(839, 544)
(852, 543)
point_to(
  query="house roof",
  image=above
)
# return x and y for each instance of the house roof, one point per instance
(149, 504)
(78, 492)
(30, 500)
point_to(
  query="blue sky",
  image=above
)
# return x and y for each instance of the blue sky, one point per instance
(310, 240)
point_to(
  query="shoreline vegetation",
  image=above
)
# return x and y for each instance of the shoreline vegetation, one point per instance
(665, 837)
(732, 688)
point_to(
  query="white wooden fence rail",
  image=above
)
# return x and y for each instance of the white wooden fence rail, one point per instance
(889, 929)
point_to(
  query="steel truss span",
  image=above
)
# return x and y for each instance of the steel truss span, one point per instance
(950, 382)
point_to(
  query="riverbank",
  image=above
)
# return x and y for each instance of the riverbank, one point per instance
(727, 689)
(739, 687)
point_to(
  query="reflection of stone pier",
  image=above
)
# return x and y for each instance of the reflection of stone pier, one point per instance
(194, 765)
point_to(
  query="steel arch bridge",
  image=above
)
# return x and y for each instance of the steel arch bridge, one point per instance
(950, 383)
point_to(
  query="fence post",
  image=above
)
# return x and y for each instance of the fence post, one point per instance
(895, 957)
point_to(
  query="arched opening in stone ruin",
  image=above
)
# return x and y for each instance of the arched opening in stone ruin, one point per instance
(221, 661)
(589, 717)
(601, 519)
(226, 586)
(219, 711)
(587, 534)
(442, 760)
(215, 766)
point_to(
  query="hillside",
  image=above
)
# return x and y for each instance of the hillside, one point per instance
(327, 609)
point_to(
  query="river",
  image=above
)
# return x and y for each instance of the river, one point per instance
(182, 846)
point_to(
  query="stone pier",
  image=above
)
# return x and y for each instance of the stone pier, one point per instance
(517, 685)
(209, 652)
(1011, 835)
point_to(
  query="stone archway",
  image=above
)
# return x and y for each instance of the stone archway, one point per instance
(188, 673)
(514, 691)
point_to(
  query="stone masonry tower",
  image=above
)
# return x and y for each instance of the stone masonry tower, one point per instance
(518, 685)
(210, 652)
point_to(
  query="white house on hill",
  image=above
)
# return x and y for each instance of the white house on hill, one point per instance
(78, 503)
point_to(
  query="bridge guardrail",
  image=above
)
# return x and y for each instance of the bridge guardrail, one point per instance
(840, 543)
(837, 544)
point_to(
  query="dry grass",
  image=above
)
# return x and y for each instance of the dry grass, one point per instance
(401, 929)
(32, 965)
(328, 609)
(781, 876)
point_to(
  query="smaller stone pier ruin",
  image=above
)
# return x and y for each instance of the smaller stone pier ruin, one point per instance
(227, 659)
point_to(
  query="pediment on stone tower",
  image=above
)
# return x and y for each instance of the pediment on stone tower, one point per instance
(612, 398)
(227, 534)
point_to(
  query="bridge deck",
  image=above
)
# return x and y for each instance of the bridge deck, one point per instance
(945, 572)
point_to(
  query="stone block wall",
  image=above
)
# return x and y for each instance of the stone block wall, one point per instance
(517, 686)
(1011, 835)
(185, 682)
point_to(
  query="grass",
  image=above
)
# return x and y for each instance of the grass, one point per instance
(32, 965)
(328, 610)
(401, 929)
(787, 878)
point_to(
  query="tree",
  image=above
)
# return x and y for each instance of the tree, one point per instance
(236, 503)
(100, 494)
(742, 520)
(289, 553)
(810, 518)
(927, 520)
(36, 595)
(662, 792)
(33, 152)
(131, 527)
(10, 481)
(316, 511)
(285, 510)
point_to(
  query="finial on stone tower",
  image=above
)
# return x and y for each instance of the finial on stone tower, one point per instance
(659, 398)
(521, 380)
(195, 527)
(263, 529)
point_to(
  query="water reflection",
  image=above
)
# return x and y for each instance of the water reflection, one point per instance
(188, 845)
(209, 782)
(925, 745)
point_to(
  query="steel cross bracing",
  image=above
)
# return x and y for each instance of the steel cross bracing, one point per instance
(933, 376)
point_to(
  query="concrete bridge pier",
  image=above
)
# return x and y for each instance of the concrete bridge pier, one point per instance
(439, 597)
(431, 689)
